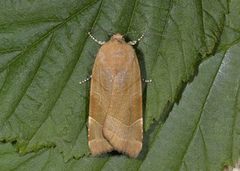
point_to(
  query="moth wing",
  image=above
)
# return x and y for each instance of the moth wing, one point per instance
(98, 104)
(123, 126)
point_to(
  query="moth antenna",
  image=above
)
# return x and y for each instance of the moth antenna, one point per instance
(87, 79)
(134, 42)
(95, 40)
(147, 81)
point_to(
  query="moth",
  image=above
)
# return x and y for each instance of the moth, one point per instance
(115, 108)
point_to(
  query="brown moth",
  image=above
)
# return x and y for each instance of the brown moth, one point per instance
(115, 110)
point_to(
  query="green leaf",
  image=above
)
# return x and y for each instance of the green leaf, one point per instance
(201, 133)
(45, 51)
(43, 160)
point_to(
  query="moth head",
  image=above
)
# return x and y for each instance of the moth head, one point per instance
(118, 37)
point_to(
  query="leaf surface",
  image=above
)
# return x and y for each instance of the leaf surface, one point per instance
(45, 51)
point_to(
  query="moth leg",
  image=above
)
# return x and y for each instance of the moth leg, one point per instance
(87, 79)
(95, 40)
(146, 81)
(134, 42)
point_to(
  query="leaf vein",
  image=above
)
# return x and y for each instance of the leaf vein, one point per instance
(44, 35)
(201, 111)
(29, 83)
(65, 82)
